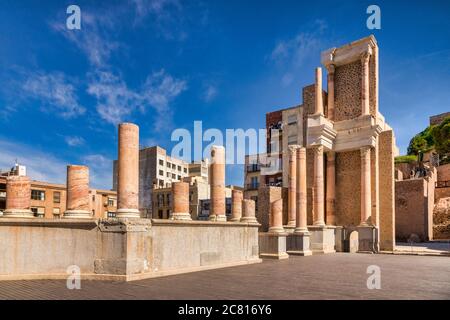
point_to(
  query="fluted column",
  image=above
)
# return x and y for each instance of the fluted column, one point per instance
(330, 84)
(18, 197)
(128, 172)
(301, 222)
(292, 186)
(318, 92)
(318, 187)
(365, 57)
(77, 195)
(276, 216)
(180, 201)
(248, 211)
(331, 185)
(236, 205)
(366, 203)
(217, 184)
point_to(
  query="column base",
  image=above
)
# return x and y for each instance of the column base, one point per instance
(298, 244)
(273, 245)
(77, 214)
(289, 228)
(249, 219)
(18, 213)
(367, 239)
(235, 219)
(322, 239)
(128, 213)
(277, 230)
(180, 216)
(218, 218)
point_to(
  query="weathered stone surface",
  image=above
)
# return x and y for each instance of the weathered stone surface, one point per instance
(301, 221)
(273, 245)
(18, 197)
(276, 216)
(292, 188)
(318, 208)
(366, 197)
(441, 219)
(331, 186)
(236, 205)
(248, 211)
(180, 201)
(217, 184)
(77, 192)
(128, 171)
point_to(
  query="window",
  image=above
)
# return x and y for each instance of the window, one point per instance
(160, 214)
(111, 214)
(168, 199)
(56, 213)
(161, 173)
(160, 198)
(168, 164)
(168, 174)
(110, 202)
(38, 212)
(179, 168)
(185, 170)
(179, 177)
(174, 166)
(174, 176)
(38, 195)
(292, 119)
(56, 197)
(292, 140)
(161, 162)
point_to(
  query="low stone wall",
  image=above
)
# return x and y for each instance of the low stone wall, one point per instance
(126, 249)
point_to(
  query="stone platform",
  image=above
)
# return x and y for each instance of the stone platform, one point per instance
(122, 249)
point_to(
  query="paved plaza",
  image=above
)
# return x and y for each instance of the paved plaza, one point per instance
(334, 276)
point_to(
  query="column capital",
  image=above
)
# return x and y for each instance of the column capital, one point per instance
(318, 149)
(364, 150)
(331, 68)
(365, 56)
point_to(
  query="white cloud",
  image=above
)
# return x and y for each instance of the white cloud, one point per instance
(210, 93)
(55, 91)
(116, 101)
(74, 141)
(94, 38)
(41, 165)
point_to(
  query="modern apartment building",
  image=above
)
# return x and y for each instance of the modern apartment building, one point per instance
(156, 170)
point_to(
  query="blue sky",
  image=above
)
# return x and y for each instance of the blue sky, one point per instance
(164, 63)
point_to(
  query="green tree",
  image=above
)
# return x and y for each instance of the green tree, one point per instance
(423, 141)
(441, 137)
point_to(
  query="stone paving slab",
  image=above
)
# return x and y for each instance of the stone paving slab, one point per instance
(333, 276)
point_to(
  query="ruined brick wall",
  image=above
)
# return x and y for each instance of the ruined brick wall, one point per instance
(267, 195)
(411, 209)
(387, 209)
(441, 219)
(348, 188)
(347, 80)
(440, 193)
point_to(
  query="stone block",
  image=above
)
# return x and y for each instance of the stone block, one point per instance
(273, 245)
(322, 239)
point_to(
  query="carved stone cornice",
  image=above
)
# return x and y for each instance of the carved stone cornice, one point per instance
(348, 53)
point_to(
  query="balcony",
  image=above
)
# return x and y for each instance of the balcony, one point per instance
(252, 186)
(253, 168)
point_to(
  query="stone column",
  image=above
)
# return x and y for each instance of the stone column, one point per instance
(236, 205)
(301, 222)
(331, 185)
(18, 197)
(128, 172)
(248, 211)
(292, 186)
(276, 216)
(365, 57)
(318, 88)
(331, 70)
(366, 203)
(180, 201)
(77, 197)
(318, 206)
(217, 184)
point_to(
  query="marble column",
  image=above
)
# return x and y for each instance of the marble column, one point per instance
(365, 57)
(331, 70)
(318, 206)
(180, 201)
(128, 172)
(301, 222)
(217, 184)
(366, 203)
(248, 211)
(18, 197)
(276, 216)
(331, 186)
(292, 186)
(77, 196)
(318, 92)
(236, 205)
